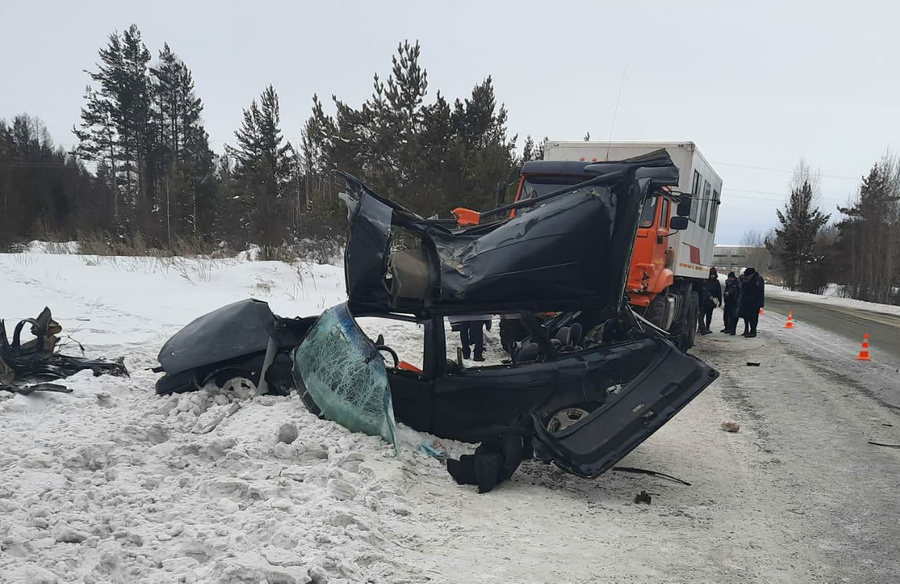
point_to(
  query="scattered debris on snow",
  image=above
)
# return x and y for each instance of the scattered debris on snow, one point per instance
(38, 360)
(651, 473)
(731, 426)
(872, 442)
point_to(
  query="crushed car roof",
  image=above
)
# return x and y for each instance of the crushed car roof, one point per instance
(566, 249)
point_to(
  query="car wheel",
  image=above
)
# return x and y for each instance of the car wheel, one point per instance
(566, 417)
(235, 385)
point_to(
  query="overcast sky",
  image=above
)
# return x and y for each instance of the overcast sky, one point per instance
(755, 84)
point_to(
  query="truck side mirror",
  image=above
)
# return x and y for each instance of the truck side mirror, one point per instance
(678, 223)
(501, 193)
(684, 207)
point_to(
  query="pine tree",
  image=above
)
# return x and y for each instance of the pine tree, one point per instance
(6, 227)
(794, 243)
(98, 141)
(528, 150)
(263, 168)
(484, 150)
(183, 163)
(116, 124)
(868, 244)
(430, 157)
(44, 191)
(539, 155)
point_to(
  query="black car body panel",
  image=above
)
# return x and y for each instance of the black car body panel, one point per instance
(233, 331)
(567, 249)
(631, 388)
(630, 415)
(231, 340)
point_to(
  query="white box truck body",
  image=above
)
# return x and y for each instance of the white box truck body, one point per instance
(691, 249)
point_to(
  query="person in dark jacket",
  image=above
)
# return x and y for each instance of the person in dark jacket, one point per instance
(753, 297)
(732, 297)
(710, 295)
(471, 333)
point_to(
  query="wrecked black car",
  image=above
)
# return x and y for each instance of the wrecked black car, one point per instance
(231, 348)
(582, 389)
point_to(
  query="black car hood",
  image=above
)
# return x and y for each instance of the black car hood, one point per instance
(232, 331)
(565, 250)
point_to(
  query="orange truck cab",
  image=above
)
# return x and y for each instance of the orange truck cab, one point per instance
(667, 266)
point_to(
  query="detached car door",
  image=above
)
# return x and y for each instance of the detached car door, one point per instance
(655, 381)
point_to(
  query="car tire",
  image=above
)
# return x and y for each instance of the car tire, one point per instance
(236, 384)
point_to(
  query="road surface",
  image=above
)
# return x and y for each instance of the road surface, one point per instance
(849, 323)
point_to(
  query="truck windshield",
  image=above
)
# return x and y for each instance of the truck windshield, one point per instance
(536, 186)
(649, 212)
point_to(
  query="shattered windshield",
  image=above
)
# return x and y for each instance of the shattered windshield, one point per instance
(345, 375)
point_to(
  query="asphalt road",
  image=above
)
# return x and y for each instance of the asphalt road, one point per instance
(852, 323)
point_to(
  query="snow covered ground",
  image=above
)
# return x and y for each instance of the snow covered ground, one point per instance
(115, 484)
(832, 300)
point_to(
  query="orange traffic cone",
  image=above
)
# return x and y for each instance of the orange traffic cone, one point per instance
(864, 353)
(790, 322)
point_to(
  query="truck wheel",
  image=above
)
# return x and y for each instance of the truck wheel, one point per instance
(690, 333)
(684, 330)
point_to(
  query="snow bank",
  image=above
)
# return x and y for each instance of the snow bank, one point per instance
(61, 247)
(113, 483)
(778, 292)
(118, 302)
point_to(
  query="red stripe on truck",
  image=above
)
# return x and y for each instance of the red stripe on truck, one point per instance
(695, 254)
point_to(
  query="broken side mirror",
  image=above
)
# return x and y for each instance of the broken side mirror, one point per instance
(684, 207)
(678, 223)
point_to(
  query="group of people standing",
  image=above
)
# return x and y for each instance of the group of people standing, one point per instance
(743, 298)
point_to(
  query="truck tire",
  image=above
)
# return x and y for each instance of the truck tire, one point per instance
(693, 313)
(684, 330)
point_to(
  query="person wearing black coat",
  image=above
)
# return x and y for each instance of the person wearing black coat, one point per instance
(732, 296)
(711, 294)
(753, 297)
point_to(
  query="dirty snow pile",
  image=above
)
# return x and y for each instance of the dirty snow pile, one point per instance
(112, 483)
